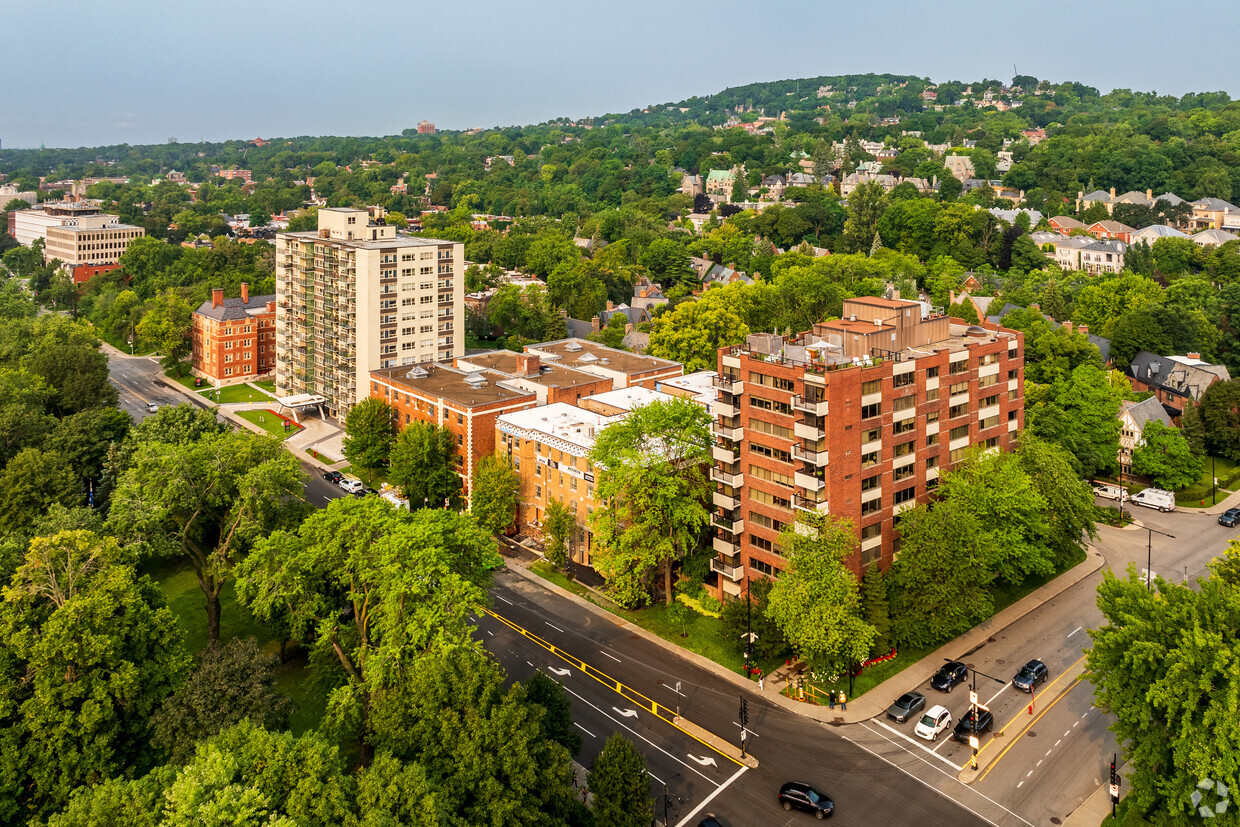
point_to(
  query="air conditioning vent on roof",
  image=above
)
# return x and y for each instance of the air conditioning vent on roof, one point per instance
(589, 357)
(416, 373)
(572, 347)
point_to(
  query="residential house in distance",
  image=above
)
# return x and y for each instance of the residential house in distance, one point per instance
(1174, 380)
(354, 296)
(691, 185)
(467, 403)
(1084, 253)
(719, 182)
(1133, 417)
(1085, 200)
(1111, 231)
(426, 128)
(1215, 214)
(1213, 238)
(1034, 216)
(647, 294)
(960, 166)
(1152, 233)
(1065, 224)
(234, 340)
(855, 418)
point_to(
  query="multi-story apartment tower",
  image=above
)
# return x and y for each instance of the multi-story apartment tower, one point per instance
(354, 297)
(856, 418)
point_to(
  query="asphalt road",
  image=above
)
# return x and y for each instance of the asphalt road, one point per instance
(867, 789)
(140, 380)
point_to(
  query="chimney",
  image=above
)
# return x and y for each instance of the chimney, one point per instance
(610, 306)
(1149, 195)
(1068, 325)
(1083, 329)
(596, 324)
(528, 364)
(245, 293)
(217, 297)
(271, 306)
(1193, 355)
(1112, 192)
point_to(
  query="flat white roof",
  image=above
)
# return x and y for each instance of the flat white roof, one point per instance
(626, 399)
(699, 382)
(566, 426)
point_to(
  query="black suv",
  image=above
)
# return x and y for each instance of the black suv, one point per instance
(334, 477)
(1229, 517)
(1030, 675)
(949, 675)
(804, 797)
(964, 727)
(905, 706)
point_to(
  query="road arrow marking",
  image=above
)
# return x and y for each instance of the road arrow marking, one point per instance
(560, 672)
(707, 761)
(627, 713)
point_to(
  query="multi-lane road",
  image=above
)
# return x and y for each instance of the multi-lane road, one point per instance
(1046, 754)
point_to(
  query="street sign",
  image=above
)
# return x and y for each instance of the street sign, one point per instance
(973, 698)
(973, 742)
(1115, 791)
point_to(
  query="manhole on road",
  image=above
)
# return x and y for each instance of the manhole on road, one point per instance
(1000, 661)
(1032, 734)
(1055, 820)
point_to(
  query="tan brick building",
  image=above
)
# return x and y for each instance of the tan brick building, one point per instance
(234, 340)
(856, 418)
(466, 403)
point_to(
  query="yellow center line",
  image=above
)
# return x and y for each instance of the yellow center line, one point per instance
(1033, 699)
(1015, 740)
(611, 683)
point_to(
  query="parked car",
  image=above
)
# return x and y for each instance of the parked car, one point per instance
(710, 821)
(906, 706)
(803, 796)
(1030, 675)
(949, 675)
(1154, 498)
(1229, 517)
(1110, 491)
(964, 727)
(334, 477)
(933, 723)
(351, 484)
(152, 407)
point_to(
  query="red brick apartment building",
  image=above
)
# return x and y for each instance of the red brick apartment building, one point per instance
(856, 418)
(466, 403)
(234, 340)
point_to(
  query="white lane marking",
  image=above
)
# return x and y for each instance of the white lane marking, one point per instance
(1057, 743)
(655, 777)
(529, 663)
(709, 798)
(1091, 709)
(618, 722)
(1019, 785)
(1066, 733)
(1029, 773)
(1038, 764)
(1074, 631)
(928, 785)
(583, 729)
(489, 632)
(501, 597)
(1048, 752)
(1076, 724)
(329, 499)
(919, 746)
(706, 761)
(628, 713)
(560, 672)
(613, 657)
(553, 626)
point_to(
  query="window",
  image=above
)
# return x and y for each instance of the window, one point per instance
(870, 483)
(959, 367)
(1011, 415)
(932, 394)
(765, 568)
(873, 386)
(959, 453)
(768, 451)
(988, 422)
(904, 427)
(870, 411)
(871, 531)
(903, 449)
(932, 462)
(770, 405)
(904, 495)
(904, 473)
(772, 476)
(932, 373)
(988, 359)
(870, 459)
(765, 521)
(959, 387)
(763, 544)
(932, 439)
(958, 410)
(988, 401)
(959, 433)
(1012, 395)
(872, 507)
(932, 416)
(904, 403)
(776, 382)
(1012, 374)
(903, 380)
(770, 499)
(987, 381)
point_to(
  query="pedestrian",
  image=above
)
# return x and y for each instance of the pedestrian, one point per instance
(761, 687)
(831, 699)
(843, 702)
(574, 779)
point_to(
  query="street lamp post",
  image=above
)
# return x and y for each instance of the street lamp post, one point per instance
(973, 707)
(1149, 554)
(667, 799)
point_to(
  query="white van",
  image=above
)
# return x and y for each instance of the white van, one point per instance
(1109, 491)
(351, 484)
(1154, 498)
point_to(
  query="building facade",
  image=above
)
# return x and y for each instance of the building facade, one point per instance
(355, 297)
(77, 233)
(856, 418)
(467, 403)
(234, 340)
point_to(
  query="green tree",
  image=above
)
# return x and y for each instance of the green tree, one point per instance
(559, 524)
(1220, 418)
(1165, 457)
(369, 430)
(166, 327)
(667, 261)
(423, 465)
(209, 502)
(740, 187)
(232, 682)
(373, 588)
(876, 610)
(620, 786)
(866, 205)
(1069, 500)
(557, 717)
(738, 617)
(1163, 665)
(1080, 414)
(31, 482)
(494, 494)
(653, 481)
(816, 601)
(692, 332)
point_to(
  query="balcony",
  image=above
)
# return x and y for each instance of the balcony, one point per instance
(806, 504)
(809, 455)
(732, 434)
(731, 523)
(811, 431)
(728, 385)
(733, 573)
(726, 477)
(818, 408)
(722, 408)
(726, 546)
(726, 501)
(724, 454)
(809, 482)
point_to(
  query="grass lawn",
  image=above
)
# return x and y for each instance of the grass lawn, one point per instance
(186, 381)
(267, 385)
(1203, 490)
(185, 598)
(269, 422)
(121, 343)
(231, 394)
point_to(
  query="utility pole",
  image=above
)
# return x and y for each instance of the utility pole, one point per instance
(974, 706)
(1149, 554)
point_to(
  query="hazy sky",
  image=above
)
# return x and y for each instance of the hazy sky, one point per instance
(140, 71)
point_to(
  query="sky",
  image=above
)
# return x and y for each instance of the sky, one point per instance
(137, 71)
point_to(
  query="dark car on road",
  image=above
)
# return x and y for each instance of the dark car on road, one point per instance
(949, 675)
(1030, 675)
(964, 727)
(334, 477)
(803, 796)
(1229, 517)
(906, 706)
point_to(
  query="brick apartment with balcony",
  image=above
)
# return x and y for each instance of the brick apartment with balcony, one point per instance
(856, 418)
(466, 403)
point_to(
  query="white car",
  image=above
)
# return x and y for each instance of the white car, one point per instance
(936, 719)
(152, 407)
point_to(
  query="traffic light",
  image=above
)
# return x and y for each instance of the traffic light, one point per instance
(744, 711)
